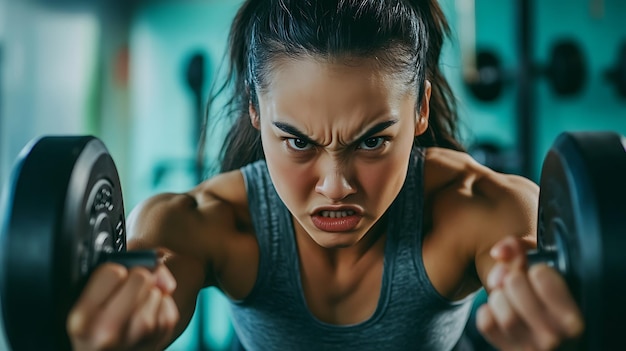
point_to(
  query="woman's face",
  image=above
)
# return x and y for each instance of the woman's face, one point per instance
(337, 139)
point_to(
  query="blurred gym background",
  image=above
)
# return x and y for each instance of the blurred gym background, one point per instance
(137, 74)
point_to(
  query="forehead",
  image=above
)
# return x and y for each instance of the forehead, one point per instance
(333, 86)
(334, 102)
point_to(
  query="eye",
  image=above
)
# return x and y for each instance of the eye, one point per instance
(299, 144)
(372, 143)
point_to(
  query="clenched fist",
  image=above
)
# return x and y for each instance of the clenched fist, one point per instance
(528, 308)
(122, 309)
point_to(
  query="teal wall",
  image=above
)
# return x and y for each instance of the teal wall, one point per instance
(163, 35)
(596, 108)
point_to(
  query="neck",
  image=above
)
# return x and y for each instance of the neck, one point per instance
(370, 245)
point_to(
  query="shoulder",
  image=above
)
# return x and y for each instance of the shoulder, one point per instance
(196, 223)
(493, 204)
(457, 171)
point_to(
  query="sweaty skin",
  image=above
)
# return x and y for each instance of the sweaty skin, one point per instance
(312, 118)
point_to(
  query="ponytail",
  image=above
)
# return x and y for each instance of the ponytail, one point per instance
(442, 129)
(243, 142)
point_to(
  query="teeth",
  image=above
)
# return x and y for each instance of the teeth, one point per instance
(337, 214)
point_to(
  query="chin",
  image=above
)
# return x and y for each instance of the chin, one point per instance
(329, 240)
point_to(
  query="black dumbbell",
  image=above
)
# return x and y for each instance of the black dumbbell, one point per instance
(582, 229)
(565, 71)
(63, 216)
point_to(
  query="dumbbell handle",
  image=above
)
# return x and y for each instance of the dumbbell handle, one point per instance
(129, 259)
(549, 258)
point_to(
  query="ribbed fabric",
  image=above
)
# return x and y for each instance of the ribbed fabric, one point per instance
(411, 314)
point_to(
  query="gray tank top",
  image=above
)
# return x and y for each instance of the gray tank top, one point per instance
(410, 314)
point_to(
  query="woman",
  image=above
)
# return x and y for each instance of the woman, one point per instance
(347, 215)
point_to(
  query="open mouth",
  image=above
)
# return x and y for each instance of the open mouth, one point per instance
(336, 221)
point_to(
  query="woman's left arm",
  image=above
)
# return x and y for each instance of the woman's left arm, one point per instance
(529, 308)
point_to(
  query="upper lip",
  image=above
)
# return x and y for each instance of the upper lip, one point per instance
(357, 210)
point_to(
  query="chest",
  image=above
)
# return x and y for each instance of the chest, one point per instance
(352, 295)
(341, 297)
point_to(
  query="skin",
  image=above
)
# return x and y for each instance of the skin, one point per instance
(478, 223)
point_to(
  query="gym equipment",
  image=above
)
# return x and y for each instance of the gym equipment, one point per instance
(582, 229)
(485, 76)
(63, 215)
(616, 75)
(194, 168)
(195, 81)
(565, 72)
(488, 82)
(495, 156)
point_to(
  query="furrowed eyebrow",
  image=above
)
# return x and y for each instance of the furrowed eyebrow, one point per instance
(376, 129)
(287, 128)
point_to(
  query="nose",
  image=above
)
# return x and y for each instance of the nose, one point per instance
(334, 185)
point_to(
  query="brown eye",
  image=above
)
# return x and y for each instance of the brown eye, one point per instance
(299, 144)
(372, 143)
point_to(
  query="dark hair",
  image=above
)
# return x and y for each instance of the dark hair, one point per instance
(405, 36)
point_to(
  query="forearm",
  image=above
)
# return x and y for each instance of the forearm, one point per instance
(188, 275)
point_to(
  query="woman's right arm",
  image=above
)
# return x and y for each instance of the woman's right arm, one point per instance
(141, 309)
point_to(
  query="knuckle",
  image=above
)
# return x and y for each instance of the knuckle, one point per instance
(514, 280)
(485, 327)
(175, 314)
(484, 322)
(171, 314)
(106, 339)
(171, 321)
(548, 342)
(75, 324)
(166, 325)
(577, 329)
(505, 316)
(141, 275)
(167, 320)
(546, 280)
(118, 271)
(510, 322)
(113, 271)
(145, 325)
(536, 271)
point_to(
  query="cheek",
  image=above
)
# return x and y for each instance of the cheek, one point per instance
(294, 182)
(382, 181)
(288, 176)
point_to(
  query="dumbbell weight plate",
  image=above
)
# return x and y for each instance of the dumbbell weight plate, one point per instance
(490, 77)
(63, 213)
(567, 68)
(582, 216)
